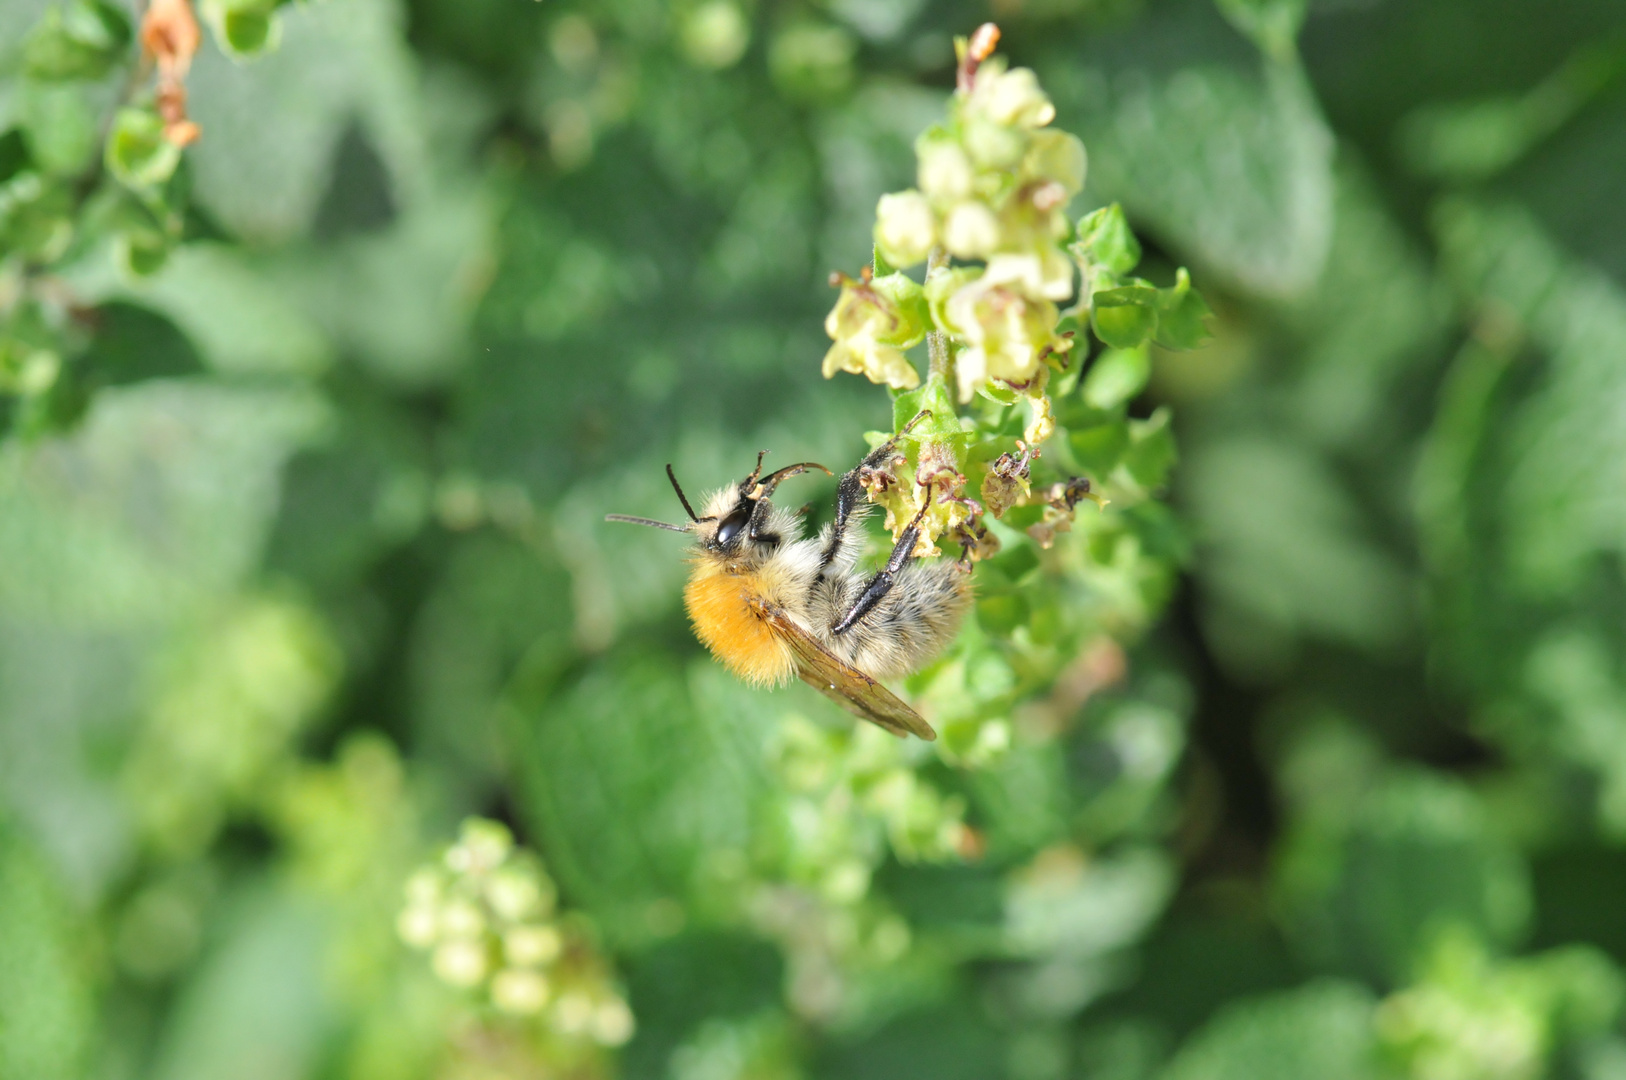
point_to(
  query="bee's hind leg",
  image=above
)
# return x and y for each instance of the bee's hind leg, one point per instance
(881, 584)
(850, 492)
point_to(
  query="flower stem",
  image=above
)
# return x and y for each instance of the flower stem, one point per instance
(937, 342)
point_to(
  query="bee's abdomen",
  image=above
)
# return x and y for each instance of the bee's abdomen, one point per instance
(719, 606)
(913, 624)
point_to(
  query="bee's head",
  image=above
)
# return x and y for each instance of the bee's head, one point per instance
(739, 518)
(725, 527)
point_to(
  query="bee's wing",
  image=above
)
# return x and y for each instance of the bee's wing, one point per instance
(845, 685)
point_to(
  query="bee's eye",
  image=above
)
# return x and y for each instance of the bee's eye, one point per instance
(731, 526)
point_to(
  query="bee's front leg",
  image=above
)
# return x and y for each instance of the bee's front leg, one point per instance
(850, 492)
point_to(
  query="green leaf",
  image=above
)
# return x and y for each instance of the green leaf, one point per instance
(142, 253)
(1106, 241)
(272, 128)
(1370, 886)
(260, 996)
(1323, 1029)
(1116, 377)
(138, 155)
(1273, 25)
(1286, 555)
(36, 216)
(642, 780)
(1126, 316)
(943, 425)
(247, 33)
(240, 321)
(1181, 315)
(1231, 168)
(76, 551)
(1152, 452)
(1099, 448)
(1467, 142)
(81, 40)
(46, 1008)
(491, 611)
(62, 123)
(879, 264)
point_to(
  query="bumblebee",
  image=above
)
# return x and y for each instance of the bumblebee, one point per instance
(770, 603)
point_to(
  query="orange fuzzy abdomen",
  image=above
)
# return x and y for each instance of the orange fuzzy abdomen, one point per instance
(719, 606)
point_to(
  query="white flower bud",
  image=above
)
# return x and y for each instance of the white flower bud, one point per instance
(522, 993)
(461, 919)
(423, 887)
(715, 34)
(847, 881)
(513, 894)
(971, 230)
(612, 1022)
(481, 848)
(532, 946)
(1058, 156)
(944, 173)
(994, 146)
(1007, 332)
(904, 228)
(573, 1012)
(418, 925)
(1010, 97)
(1045, 272)
(461, 963)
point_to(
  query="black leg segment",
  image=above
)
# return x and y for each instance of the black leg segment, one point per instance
(850, 492)
(878, 586)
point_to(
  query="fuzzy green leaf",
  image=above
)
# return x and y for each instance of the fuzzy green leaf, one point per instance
(1117, 376)
(79, 41)
(1126, 316)
(1106, 241)
(1181, 315)
(247, 33)
(943, 425)
(1152, 452)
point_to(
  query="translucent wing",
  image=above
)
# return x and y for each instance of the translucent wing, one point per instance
(845, 685)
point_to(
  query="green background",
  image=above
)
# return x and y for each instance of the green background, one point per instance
(302, 559)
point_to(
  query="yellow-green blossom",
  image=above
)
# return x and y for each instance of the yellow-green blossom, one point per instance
(1007, 334)
(905, 228)
(872, 323)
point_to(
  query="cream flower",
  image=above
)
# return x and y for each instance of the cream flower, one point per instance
(871, 324)
(905, 228)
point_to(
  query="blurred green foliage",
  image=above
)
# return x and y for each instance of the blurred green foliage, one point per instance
(1304, 758)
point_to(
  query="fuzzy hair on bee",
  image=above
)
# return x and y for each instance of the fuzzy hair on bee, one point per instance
(771, 603)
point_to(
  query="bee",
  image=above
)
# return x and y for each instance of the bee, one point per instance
(770, 603)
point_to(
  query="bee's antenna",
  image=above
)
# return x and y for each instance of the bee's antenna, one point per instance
(682, 498)
(630, 520)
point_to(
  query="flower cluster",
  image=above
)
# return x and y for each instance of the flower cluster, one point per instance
(486, 911)
(1475, 1015)
(993, 185)
(1009, 285)
(228, 707)
(852, 796)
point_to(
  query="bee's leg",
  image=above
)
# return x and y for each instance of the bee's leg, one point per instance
(760, 492)
(881, 584)
(850, 492)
